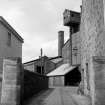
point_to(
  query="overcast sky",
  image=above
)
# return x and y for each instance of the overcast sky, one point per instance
(38, 22)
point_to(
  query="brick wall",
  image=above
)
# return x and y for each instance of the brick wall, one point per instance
(12, 81)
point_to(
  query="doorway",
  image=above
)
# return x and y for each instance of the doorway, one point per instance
(73, 78)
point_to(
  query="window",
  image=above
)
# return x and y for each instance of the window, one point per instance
(9, 39)
(72, 15)
(40, 69)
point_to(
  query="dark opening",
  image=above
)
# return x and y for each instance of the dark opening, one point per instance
(9, 39)
(75, 28)
(87, 74)
(40, 69)
(73, 78)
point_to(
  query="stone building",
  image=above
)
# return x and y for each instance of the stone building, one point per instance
(92, 38)
(10, 42)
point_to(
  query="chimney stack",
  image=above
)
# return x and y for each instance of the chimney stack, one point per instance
(60, 42)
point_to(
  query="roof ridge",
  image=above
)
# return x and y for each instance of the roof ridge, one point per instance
(9, 27)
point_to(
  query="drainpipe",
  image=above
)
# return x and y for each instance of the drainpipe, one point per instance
(70, 45)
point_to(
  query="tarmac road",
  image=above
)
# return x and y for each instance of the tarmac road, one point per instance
(57, 96)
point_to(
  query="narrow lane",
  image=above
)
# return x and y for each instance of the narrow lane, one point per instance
(54, 96)
(66, 95)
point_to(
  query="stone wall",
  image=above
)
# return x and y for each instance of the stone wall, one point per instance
(99, 79)
(19, 84)
(12, 82)
(92, 38)
(33, 83)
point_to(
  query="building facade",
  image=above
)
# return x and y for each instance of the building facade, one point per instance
(71, 19)
(10, 42)
(92, 35)
(65, 75)
(68, 73)
(76, 54)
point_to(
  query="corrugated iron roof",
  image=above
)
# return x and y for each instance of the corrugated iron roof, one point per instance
(62, 70)
(57, 60)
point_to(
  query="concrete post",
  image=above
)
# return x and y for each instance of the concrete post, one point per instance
(60, 42)
(11, 83)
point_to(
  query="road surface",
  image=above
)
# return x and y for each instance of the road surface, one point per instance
(55, 96)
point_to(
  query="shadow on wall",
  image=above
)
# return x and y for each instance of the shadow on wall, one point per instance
(33, 83)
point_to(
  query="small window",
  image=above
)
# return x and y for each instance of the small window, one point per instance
(9, 39)
(72, 15)
(40, 69)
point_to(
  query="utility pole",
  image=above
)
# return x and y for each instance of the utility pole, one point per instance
(41, 60)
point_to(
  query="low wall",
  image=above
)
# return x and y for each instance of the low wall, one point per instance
(33, 83)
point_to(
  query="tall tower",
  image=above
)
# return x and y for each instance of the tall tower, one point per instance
(60, 42)
(72, 20)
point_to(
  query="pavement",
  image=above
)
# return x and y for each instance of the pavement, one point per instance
(59, 96)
